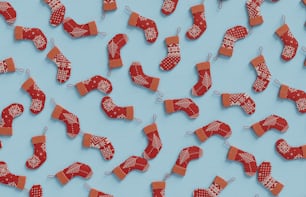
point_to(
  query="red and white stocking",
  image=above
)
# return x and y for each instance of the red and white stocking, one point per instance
(62, 63)
(130, 164)
(296, 95)
(264, 177)
(290, 43)
(169, 6)
(214, 189)
(186, 155)
(140, 78)
(114, 47)
(102, 143)
(7, 66)
(116, 112)
(34, 34)
(158, 188)
(253, 8)
(199, 22)
(270, 122)
(263, 74)
(204, 79)
(8, 12)
(36, 191)
(7, 178)
(154, 141)
(96, 193)
(186, 105)
(37, 95)
(109, 5)
(8, 114)
(239, 99)
(214, 128)
(96, 82)
(57, 12)
(290, 152)
(246, 159)
(174, 56)
(71, 120)
(76, 30)
(231, 36)
(39, 154)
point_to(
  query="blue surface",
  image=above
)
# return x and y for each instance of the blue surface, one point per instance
(89, 57)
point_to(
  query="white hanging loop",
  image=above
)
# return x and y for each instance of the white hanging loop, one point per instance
(154, 117)
(304, 49)
(53, 101)
(209, 57)
(216, 58)
(138, 120)
(109, 73)
(107, 173)
(20, 70)
(70, 85)
(216, 92)
(220, 4)
(45, 130)
(246, 127)
(50, 176)
(160, 94)
(28, 72)
(128, 9)
(226, 144)
(87, 186)
(166, 176)
(178, 30)
(187, 133)
(277, 82)
(260, 50)
(231, 180)
(283, 19)
(52, 42)
(102, 34)
(159, 100)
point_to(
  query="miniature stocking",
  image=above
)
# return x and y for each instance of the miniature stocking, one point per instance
(270, 122)
(204, 81)
(231, 36)
(158, 188)
(114, 47)
(290, 43)
(147, 25)
(8, 115)
(246, 159)
(109, 5)
(62, 63)
(8, 12)
(7, 66)
(214, 128)
(37, 95)
(40, 155)
(80, 30)
(184, 104)
(154, 141)
(186, 155)
(96, 193)
(263, 74)
(289, 152)
(298, 96)
(214, 189)
(76, 169)
(102, 143)
(132, 163)
(264, 177)
(116, 112)
(140, 78)
(253, 7)
(35, 34)
(71, 120)
(169, 6)
(199, 22)
(240, 99)
(173, 56)
(57, 11)
(7, 178)
(96, 82)
(304, 1)
(36, 191)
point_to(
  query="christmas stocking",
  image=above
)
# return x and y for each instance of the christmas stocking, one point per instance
(132, 163)
(214, 189)
(173, 56)
(102, 143)
(240, 99)
(263, 74)
(8, 12)
(304, 1)
(270, 122)
(231, 36)
(184, 104)
(289, 152)
(214, 128)
(158, 188)
(140, 78)
(264, 177)
(204, 81)
(298, 96)
(37, 95)
(7, 66)
(36, 191)
(186, 155)
(57, 11)
(35, 34)
(116, 112)
(199, 22)
(147, 25)
(253, 7)
(290, 43)
(8, 115)
(109, 5)
(96, 193)
(246, 159)
(62, 63)
(76, 169)
(40, 155)
(154, 142)
(71, 120)
(169, 6)
(114, 47)
(80, 30)
(96, 82)
(7, 178)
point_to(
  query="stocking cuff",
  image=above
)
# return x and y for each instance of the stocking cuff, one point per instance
(158, 185)
(93, 193)
(283, 29)
(179, 170)
(21, 182)
(232, 152)
(304, 151)
(220, 181)
(304, 1)
(10, 64)
(109, 6)
(115, 63)
(278, 188)
(226, 100)
(53, 52)
(257, 60)
(57, 111)
(28, 83)
(197, 8)
(62, 177)
(226, 51)
(7, 131)
(18, 32)
(283, 91)
(172, 40)
(201, 135)
(203, 66)
(154, 84)
(81, 88)
(258, 130)
(39, 139)
(150, 128)
(169, 106)
(92, 28)
(256, 21)
(133, 19)
(86, 140)
(130, 112)
(119, 173)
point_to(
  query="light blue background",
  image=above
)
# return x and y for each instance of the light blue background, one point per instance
(89, 57)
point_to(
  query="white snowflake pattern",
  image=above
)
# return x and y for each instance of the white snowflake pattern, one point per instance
(108, 105)
(12, 184)
(150, 33)
(36, 105)
(283, 147)
(288, 51)
(39, 41)
(43, 147)
(168, 5)
(301, 104)
(103, 86)
(14, 110)
(3, 68)
(107, 152)
(34, 161)
(194, 31)
(3, 170)
(78, 32)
